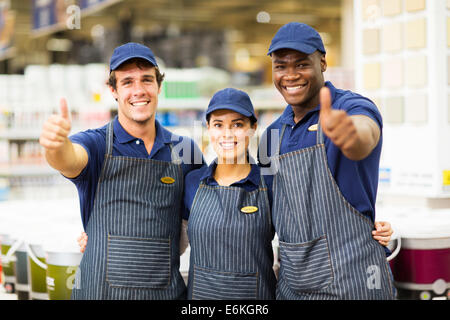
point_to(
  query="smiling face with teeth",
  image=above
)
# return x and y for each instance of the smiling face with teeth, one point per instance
(137, 93)
(299, 76)
(230, 133)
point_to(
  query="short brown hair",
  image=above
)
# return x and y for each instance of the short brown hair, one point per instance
(141, 64)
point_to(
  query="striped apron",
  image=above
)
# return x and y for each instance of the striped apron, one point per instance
(231, 251)
(134, 229)
(326, 246)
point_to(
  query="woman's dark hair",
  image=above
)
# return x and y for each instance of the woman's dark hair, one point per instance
(252, 119)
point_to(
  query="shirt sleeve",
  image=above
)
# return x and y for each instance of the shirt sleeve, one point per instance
(190, 154)
(191, 183)
(187, 198)
(94, 144)
(185, 207)
(359, 105)
(198, 160)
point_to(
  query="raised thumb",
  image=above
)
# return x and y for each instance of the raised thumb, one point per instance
(325, 101)
(64, 109)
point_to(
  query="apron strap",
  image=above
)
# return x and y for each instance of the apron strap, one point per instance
(109, 137)
(283, 129)
(262, 183)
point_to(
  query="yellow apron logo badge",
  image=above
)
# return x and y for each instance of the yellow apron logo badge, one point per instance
(313, 127)
(167, 180)
(249, 209)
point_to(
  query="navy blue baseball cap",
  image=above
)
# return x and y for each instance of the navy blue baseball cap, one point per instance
(297, 36)
(232, 99)
(129, 51)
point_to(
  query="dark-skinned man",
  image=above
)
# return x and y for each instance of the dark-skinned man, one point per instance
(323, 153)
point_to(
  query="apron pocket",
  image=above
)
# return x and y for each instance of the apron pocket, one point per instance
(138, 262)
(209, 284)
(306, 266)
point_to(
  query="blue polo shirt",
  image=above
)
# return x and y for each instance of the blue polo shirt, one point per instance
(124, 144)
(357, 180)
(206, 173)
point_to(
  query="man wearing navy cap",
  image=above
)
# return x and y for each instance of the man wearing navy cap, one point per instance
(324, 153)
(129, 175)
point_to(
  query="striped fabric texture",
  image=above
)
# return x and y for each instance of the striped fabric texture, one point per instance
(326, 246)
(138, 263)
(133, 232)
(231, 251)
(307, 265)
(213, 284)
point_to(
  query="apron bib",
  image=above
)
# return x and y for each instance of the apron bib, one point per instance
(230, 232)
(326, 246)
(134, 229)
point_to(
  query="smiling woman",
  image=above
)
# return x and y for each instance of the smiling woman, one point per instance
(227, 204)
(230, 133)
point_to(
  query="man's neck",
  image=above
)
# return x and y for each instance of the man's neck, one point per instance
(144, 131)
(300, 111)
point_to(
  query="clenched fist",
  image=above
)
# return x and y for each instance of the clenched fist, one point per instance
(56, 129)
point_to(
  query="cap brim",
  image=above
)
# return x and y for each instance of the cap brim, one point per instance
(294, 46)
(234, 108)
(118, 63)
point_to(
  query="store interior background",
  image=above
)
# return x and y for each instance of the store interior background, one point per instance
(203, 46)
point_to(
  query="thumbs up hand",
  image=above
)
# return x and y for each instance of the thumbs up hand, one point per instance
(336, 124)
(356, 136)
(56, 129)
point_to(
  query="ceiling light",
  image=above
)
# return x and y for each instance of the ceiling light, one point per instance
(263, 17)
(97, 31)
